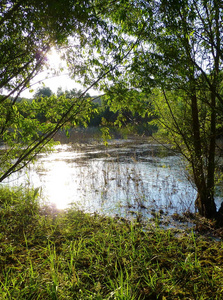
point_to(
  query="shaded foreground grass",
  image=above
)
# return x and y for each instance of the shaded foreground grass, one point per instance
(47, 254)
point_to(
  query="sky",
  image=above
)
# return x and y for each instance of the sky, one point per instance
(63, 80)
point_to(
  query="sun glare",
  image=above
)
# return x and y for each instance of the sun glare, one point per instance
(54, 59)
(55, 75)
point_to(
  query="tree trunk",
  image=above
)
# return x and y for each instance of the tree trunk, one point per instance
(211, 162)
(205, 204)
(205, 199)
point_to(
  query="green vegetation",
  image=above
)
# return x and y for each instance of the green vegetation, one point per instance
(159, 60)
(27, 128)
(101, 114)
(50, 254)
(171, 53)
(156, 59)
(29, 29)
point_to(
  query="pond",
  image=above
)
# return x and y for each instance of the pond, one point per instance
(122, 179)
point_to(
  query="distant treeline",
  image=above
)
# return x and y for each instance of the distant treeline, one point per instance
(102, 115)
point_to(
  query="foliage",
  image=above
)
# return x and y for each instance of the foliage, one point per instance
(117, 111)
(28, 30)
(172, 50)
(43, 92)
(132, 50)
(48, 254)
(31, 125)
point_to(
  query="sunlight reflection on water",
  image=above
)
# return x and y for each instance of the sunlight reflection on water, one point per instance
(113, 180)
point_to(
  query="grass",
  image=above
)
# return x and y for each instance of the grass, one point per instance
(50, 254)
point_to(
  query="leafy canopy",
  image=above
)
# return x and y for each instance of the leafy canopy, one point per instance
(28, 29)
(176, 58)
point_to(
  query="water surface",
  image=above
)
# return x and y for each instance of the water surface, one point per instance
(124, 178)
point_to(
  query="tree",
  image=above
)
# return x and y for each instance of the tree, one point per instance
(188, 53)
(28, 29)
(190, 50)
(171, 50)
(177, 58)
(43, 92)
